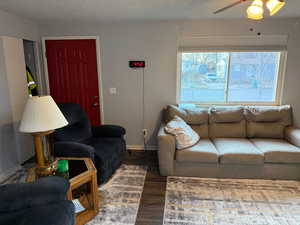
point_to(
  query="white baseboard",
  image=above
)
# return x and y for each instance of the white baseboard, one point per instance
(141, 147)
(6, 174)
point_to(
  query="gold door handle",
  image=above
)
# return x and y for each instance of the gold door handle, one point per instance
(96, 104)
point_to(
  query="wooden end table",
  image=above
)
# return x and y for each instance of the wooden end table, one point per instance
(79, 175)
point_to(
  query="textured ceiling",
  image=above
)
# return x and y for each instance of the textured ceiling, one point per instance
(119, 10)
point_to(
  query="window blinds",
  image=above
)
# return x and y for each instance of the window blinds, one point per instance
(233, 43)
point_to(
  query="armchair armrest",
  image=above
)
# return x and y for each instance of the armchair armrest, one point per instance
(73, 149)
(292, 135)
(108, 131)
(166, 152)
(25, 195)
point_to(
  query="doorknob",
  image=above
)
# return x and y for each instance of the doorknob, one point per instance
(95, 104)
(95, 96)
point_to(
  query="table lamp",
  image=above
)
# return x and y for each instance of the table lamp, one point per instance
(41, 117)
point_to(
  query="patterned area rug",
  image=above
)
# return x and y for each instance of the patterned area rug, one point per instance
(119, 199)
(201, 201)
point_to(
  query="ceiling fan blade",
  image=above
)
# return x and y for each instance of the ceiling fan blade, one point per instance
(229, 6)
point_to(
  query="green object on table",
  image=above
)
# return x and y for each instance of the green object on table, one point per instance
(63, 166)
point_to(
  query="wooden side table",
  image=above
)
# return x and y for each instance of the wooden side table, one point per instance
(81, 172)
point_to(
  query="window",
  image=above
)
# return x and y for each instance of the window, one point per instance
(229, 77)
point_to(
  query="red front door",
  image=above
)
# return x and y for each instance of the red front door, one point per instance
(73, 76)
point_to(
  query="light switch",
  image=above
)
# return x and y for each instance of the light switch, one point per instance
(113, 91)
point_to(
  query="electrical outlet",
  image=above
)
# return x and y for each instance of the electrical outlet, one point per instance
(113, 91)
(145, 132)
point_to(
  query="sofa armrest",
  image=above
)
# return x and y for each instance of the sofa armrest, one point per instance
(108, 131)
(166, 152)
(73, 149)
(292, 135)
(25, 195)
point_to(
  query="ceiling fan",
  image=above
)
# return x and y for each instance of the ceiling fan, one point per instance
(256, 10)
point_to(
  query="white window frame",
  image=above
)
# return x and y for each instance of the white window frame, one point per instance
(279, 82)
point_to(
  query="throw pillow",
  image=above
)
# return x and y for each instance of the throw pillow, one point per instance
(185, 136)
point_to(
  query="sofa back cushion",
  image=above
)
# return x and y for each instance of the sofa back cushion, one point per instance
(196, 117)
(267, 121)
(234, 121)
(202, 130)
(79, 127)
(227, 122)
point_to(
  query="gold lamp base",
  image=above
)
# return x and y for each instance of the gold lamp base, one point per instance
(43, 168)
(49, 169)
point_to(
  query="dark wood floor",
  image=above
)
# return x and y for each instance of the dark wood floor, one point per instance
(151, 210)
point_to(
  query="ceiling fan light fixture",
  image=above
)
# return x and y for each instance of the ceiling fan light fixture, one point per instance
(274, 6)
(256, 10)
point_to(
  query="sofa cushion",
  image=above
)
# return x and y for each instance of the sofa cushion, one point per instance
(227, 122)
(192, 115)
(228, 130)
(185, 136)
(269, 114)
(203, 152)
(267, 121)
(230, 114)
(202, 130)
(79, 127)
(277, 150)
(42, 214)
(265, 130)
(238, 151)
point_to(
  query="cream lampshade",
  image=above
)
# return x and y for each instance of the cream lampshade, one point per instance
(41, 117)
(41, 114)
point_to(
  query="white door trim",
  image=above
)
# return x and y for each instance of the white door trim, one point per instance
(99, 69)
(38, 65)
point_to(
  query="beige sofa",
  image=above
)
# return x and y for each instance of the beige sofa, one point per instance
(236, 142)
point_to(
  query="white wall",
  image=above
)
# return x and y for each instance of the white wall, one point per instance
(13, 26)
(19, 27)
(156, 42)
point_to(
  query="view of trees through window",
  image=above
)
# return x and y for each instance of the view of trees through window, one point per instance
(229, 76)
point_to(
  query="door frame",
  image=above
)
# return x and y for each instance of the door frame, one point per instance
(99, 68)
(38, 65)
